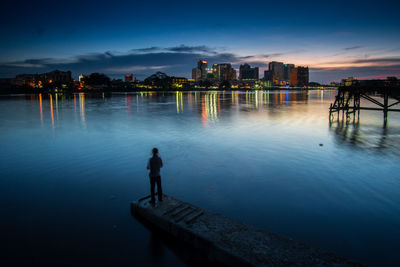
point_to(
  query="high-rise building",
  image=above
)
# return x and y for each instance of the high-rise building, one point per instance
(248, 73)
(302, 76)
(202, 66)
(299, 77)
(200, 72)
(278, 72)
(288, 69)
(224, 72)
(293, 78)
(268, 75)
(196, 74)
(129, 78)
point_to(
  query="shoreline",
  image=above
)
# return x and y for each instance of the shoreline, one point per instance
(25, 92)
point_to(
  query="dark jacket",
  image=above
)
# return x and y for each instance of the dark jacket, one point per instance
(154, 165)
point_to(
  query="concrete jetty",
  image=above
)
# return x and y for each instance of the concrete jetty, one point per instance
(229, 242)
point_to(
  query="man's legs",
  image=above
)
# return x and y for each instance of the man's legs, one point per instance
(159, 188)
(152, 185)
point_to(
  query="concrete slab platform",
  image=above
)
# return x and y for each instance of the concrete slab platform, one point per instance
(229, 242)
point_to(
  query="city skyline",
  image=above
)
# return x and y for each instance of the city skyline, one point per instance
(335, 40)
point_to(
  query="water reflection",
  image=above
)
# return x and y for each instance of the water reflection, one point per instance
(56, 97)
(41, 109)
(366, 137)
(210, 106)
(179, 102)
(82, 109)
(51, 111)
(263, 142)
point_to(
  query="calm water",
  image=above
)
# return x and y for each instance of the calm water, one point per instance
(70, 165)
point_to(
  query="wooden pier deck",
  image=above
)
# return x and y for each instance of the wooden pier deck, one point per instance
(348, 102)
(229, 242)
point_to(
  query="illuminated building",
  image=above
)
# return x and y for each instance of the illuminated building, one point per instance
(129, 78)
(26, 79)
(81, 77)
(248, 73)
(196, 74)
(179, 80)
(349, 81)
(224, 72)
(299, 77)
(200, 72)
(288, 69)
(202, 66)
(36, 80)
(293, 78)
(278, 72)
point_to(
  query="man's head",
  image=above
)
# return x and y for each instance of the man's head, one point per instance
(155, 151)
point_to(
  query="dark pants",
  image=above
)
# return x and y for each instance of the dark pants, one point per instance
(153, 181)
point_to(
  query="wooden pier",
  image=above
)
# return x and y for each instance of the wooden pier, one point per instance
(228, 242)
(347, 103)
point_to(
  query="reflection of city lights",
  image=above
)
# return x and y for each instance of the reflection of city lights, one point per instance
(287, 97)
(82, 108)
(209, 107)
(41, 108)
(75, 105)
(179, 101)
(57, 106)
(204, 117)
(256, 99)
(181, 97)
(51, 111)
(128, 104)
(190, 100)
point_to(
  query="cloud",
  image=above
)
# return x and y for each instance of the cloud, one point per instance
(191, 49)
(376, 62)
(273, 55)
(179, 61)
(147, 49)
(336, 74)
(181, 48)
(395, 60)
(352, 47)
(134, 69)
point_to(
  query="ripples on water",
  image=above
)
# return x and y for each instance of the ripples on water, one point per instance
(70, 165)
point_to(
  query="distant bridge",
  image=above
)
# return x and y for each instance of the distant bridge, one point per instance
(347, 104)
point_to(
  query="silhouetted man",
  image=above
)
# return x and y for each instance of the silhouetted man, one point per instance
(154, 165)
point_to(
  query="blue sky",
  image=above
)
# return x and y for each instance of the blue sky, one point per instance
(336, 39)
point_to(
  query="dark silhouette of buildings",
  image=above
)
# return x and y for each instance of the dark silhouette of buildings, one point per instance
(288, 69)
(248, 73)
(302, 76)
(268, 76)
(224, 72)
(200, 72)
(34, 80)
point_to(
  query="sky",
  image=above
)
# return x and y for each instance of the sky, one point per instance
(335, 39)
